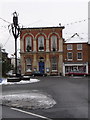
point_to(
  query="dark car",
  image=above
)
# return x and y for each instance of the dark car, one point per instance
(38, 73)
(77, 73)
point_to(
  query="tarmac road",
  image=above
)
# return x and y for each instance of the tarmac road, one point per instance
(70, 94)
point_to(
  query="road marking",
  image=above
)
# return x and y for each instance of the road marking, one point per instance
(29, 113)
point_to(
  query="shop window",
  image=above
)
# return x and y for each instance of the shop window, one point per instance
(41, 43)
(82, 68)
(28, 65)
(79, 56)
(69, 56)
(53, 43)
(28, 44)
(54, 63)
(75, 69)
(68, 69)
(79, 46)
(69, 47)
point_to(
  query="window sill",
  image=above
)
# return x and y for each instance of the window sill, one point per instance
(79, 49)
(70, 59)
(54, 70)
(40, 50)
(28, 70)
(69, 49)
(28, 51)
(79, 59)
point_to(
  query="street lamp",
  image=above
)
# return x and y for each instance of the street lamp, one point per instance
(15, 31)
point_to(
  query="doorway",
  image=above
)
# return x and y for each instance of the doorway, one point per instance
(41, 67)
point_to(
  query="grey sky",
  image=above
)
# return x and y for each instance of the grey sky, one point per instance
(44, 13)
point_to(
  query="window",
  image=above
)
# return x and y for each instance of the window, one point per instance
(79, 56)
(69, 56)
(28, 44)
(68, 69)
(82, 68)
(79, 46)
(54, 43)
(54, 63)
(69, 47)
(28, 65)
(41, 43)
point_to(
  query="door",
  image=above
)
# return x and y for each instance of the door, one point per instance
(41, 67)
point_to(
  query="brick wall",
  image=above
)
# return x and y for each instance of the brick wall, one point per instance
(75, 51)
(47, 53)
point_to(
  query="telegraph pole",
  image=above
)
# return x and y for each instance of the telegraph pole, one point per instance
(15, 31)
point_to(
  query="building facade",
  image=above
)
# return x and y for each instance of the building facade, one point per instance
(76, 55)
(42, 50)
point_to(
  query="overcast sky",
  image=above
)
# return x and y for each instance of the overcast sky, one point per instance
(73, 14)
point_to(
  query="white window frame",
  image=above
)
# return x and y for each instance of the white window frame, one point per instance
(69, 47)
(54, 64)
(79, 45)
(28, 39)
(69, 58)
(53, 39)
(81, 54)
(43, 41)
(28, 65)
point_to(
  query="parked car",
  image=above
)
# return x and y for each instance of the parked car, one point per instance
(38, 73)
(77, 73)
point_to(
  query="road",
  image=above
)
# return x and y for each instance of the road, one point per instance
(11, 113)
(70, 94)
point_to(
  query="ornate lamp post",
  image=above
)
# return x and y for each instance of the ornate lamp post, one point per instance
(15, 31)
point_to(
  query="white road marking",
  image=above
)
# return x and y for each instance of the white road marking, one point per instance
(29, 113)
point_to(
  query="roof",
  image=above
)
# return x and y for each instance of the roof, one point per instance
(44, 27)
(76, 39)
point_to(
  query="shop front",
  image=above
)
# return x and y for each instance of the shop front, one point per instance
(78, 67)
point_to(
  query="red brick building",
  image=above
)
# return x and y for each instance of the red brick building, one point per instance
(76, 55)
(42, 50)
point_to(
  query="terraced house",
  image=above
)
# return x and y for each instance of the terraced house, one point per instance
(76, 55)
(42, 50)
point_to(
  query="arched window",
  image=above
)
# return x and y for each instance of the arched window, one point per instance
(41, 43)
(54, 63)
(54, 43)
(28, 43)
(28, 65)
